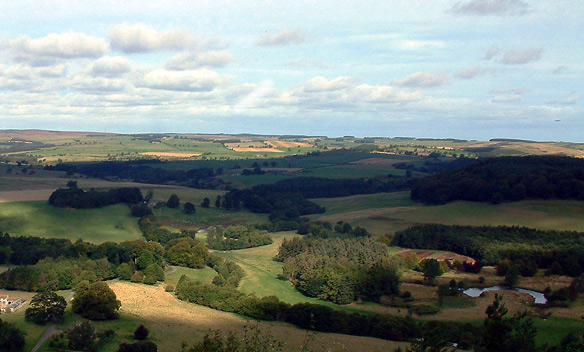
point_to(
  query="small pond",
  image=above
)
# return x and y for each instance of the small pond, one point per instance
(476, 291)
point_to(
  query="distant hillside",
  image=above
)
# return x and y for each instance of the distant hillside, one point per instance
(506, 179)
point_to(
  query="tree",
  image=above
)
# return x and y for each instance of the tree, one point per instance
(155, 271)
(96, 301)
(83, 336)
(11, 338)
(512, 276)
(502, 333)
(140, 346)
(173, 201)
(124, 271)
(206, 202)
(141, 333)
(431, 270)
(218, 202)
(188, 208)
(72, 184)
(46, 307)
(148, 196)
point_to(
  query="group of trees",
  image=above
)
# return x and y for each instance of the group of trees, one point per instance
(188, 252)
(77, 198)
(506, 179)
(144, 171)
(95, 301)
(60, 264)
(339, 270)
(316, 317)
(237, 237)
(324, 229)
(492, 244)
(11, 338)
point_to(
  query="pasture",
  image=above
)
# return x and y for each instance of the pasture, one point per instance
(385, 213)
(112, 223)
(172, 322)
(205, 217)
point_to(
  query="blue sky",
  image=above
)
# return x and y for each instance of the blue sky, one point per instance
(472, 69)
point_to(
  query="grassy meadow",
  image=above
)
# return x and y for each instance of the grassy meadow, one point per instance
(385, 213)
(112, 223)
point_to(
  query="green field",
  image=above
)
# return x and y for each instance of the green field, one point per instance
(111, 223)
(366, 201)
(384, 213)
(261, 275)
(205, 274)
(205, 217)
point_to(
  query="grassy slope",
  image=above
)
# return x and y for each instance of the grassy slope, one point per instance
(207, 217)
(112, 223)
(261, 271)
(389, 212)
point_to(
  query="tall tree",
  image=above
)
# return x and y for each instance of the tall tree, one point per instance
(96, 301)
(46, 307)
(173, 201)
(502, 333)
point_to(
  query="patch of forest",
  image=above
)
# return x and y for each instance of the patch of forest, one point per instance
(506, 179)
(142, 171)
(339, 270)
(237, 237)
(74, 197)
(491, 244)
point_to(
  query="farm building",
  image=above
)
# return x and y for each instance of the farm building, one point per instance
(10, 305)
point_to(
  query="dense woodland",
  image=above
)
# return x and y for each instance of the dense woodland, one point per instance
(74, 197)
(506, 179)
(237, 237)
(143, 171)
(339, 270)
(492, 244)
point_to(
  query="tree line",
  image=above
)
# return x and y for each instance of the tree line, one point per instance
(74, 197)
(316, 317)
(492, 244)
(142, 171)
(506, 179)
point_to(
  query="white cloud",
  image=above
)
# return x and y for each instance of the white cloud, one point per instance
(570, 100)
(491, 52)
(189, 60)
(507, 99)
(423, 80)
(53, 47)
(383, 94)
(52, 71)
(517, 91)
(420, 44)
(286, 37)
(202, 80)
(139, 38)
(492, 7)
(469, 72)
(520, 57)
(321, 84)
(111, 66)
(253, 98)
(97, 85)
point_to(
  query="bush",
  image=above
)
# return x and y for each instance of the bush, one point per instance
(173, 201)
(141, 333)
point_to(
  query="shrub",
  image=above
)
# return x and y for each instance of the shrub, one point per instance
(141, 333)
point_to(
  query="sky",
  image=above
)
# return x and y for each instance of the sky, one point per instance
(469, 69)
